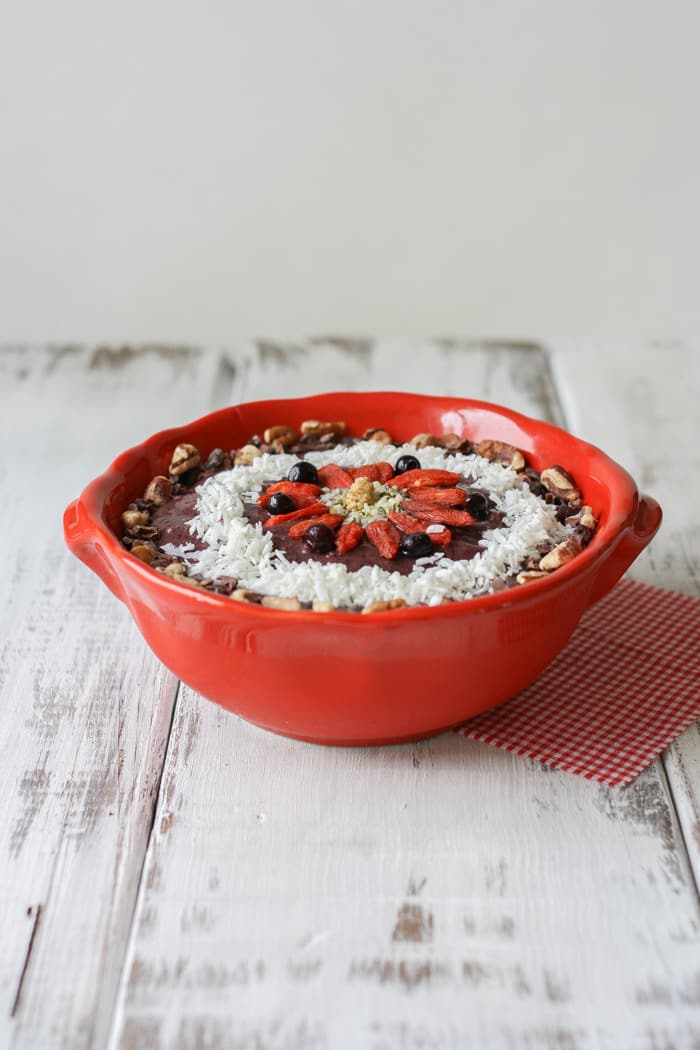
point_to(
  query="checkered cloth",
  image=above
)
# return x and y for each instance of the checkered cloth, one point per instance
(626, 685)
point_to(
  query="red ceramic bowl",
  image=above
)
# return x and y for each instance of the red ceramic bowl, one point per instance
(343, 678)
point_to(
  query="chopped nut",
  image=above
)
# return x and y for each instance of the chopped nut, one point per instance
(529, 575)
(158, 491)
(323, 607)
(395, 603)
(241, 595)
(360, 492)
(133, 517)
(185, 457)
(560, 484)
(143, 532)
(161, 561)
(189, 580)
(581, 517)
(533, 480)
(587, 518)
(425, 441)
(175, 569)
(272, 602)
(317, 428)
(224, 585)
(583, 535)
(559, 555)
(452, 442)
(245, 456)
(283, 436)
(215, 459)
(145, 552)
(383, 437)
(501, 452)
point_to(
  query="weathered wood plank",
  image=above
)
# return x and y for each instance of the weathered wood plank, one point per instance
(641, 404)
(85, 709)
(297, 896)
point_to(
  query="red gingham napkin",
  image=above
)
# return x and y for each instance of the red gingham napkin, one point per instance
(626, 685)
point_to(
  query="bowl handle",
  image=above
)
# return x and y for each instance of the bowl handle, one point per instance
(631, 544)
(80, 537)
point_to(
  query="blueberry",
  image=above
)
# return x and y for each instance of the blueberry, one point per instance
(280, 503)
(478, 506)
(417, 545)
(405, 463)
(303, 471)
(319, 538)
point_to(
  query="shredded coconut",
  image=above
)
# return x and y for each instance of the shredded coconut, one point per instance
(235, 547)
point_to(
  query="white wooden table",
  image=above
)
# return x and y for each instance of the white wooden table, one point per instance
(173, 877)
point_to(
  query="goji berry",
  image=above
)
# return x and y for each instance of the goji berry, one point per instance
(300, 493)
(441, 497)
(299, 528)
(438, 515)
(407, 523)
(348, 537)
(442, 538)
(334, 477)
(314, 511)
(425, 479)
(384, 536)
(374, 471)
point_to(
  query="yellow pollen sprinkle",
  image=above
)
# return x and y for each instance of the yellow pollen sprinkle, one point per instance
(361, 492)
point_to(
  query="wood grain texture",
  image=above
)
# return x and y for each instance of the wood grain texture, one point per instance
(641, 404)
(85, 709)
(439, 895)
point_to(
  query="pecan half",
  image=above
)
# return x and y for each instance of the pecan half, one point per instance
(561, 485)
(185, 457)
(501, 452)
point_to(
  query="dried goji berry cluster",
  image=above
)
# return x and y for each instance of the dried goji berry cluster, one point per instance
(428, 498)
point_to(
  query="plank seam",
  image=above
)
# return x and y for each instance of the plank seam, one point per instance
(668, 781)
(25, 965)
(141, 879)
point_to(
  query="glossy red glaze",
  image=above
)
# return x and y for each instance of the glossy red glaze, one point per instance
(344, 678)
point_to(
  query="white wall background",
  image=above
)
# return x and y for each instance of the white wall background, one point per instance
(205, 169)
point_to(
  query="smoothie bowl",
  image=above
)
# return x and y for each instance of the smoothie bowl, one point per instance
(360, 568)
